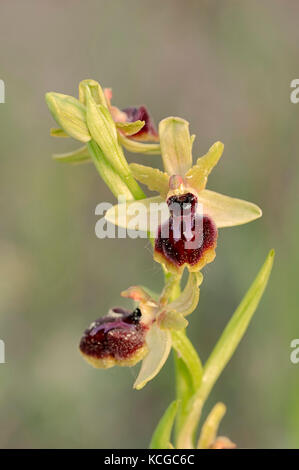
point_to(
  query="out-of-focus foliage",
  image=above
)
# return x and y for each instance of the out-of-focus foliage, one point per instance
(224, 66)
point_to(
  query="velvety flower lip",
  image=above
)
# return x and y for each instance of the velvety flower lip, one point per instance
(115, 339)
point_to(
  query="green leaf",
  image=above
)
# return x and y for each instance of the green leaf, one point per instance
(188, 374)
(224, 349)
(70, 114)
(162, 434)
(130, 128)
(176, 145)
(187, 353)
(80, 155)
(237, 326)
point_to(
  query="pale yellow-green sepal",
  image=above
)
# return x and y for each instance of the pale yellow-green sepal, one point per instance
(80, 155)
(139, 147)
(70, 114)
(95, 90)
(227, 211)
(144, 215)
(130, 128)
(159, 346)
(176, 145)
(197, 176)
(210, 427)
(171, 320)
(187, 302)
(153, 178)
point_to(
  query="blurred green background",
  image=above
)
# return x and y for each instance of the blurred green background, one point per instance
(224, 66)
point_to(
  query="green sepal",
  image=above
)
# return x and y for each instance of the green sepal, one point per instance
(80, 155)
(70, 114)
(130, 128)
(162, 434)
(139, 147)
(210, 427)
(95, 90)
(176, 145)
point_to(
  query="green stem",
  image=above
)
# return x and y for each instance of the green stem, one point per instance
(188, 367)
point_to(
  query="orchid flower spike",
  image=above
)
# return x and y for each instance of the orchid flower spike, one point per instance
(125, 338)
(184, 186)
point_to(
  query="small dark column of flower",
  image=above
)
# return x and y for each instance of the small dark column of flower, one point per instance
(115, 339)
(187, 238)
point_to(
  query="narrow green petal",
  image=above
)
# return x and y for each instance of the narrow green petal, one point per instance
(57, 132)
(70, 114)
(153, 178)
(130, 128)
(159, 344)
(162, 434)
(228, 211)
(197, 176)
(80, 155)
(138, 215)
(176, 145)
(224, 349)
(210, 427)
(139, 147)
(187, 302)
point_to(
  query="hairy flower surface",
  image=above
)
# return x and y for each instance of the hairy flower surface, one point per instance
(182, 183)
(115, 339)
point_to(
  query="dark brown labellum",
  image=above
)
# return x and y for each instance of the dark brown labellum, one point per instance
(118, 338)
(187, 238)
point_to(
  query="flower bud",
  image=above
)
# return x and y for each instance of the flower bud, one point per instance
(115, 339)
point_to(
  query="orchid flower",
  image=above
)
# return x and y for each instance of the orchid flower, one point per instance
(184, 184)
(124, 338)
